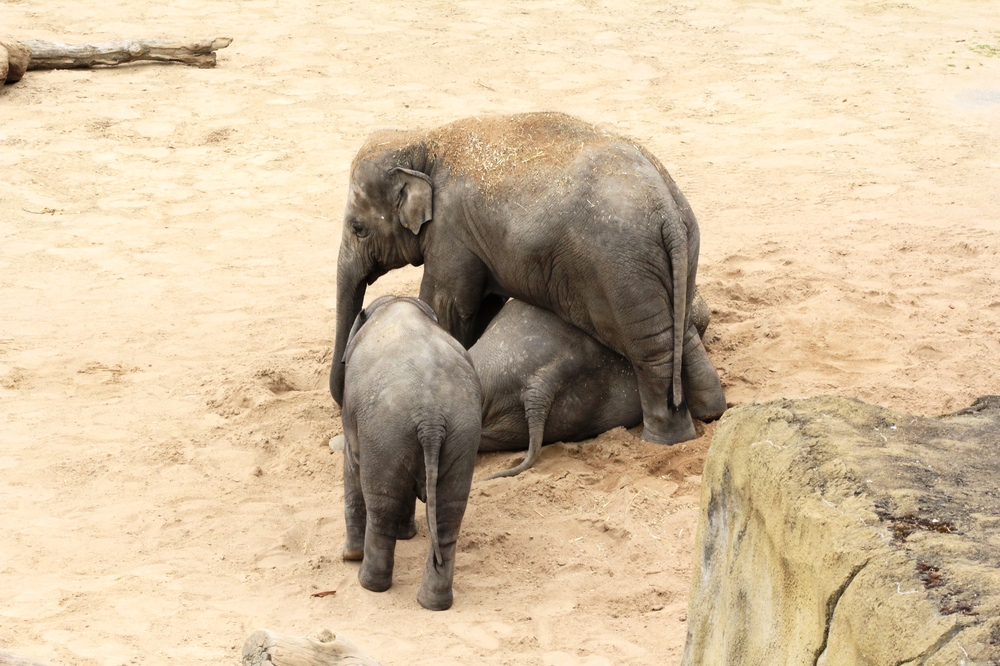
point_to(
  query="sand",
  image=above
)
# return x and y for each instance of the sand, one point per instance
(168, 244)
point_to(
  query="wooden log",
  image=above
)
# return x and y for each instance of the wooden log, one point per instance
(14, 57)
(12, 659)
(54, 55)
(266, 648)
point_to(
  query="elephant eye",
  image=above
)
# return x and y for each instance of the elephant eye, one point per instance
(359, 229)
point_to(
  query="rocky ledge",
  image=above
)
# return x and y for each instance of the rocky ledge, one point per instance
(835, 532)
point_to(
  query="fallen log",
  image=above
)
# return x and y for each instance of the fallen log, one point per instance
(266, 648)
(16, 56)
(12, 659)
(54, 55)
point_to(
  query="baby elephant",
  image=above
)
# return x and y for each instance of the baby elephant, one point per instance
(412, 421)
(547, 381)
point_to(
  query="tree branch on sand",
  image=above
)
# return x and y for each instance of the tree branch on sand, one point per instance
(266, 648)
(14, 659)
(16, 57)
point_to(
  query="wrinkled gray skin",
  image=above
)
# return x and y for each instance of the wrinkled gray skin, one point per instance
(412, 420)
(546, 381)
(549, 210)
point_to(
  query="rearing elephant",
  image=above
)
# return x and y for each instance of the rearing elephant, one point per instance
(550, 210)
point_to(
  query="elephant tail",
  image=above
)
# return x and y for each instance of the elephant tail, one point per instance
(676, 243)
(430, 438)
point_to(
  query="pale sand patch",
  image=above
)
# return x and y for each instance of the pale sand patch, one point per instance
(166, 483)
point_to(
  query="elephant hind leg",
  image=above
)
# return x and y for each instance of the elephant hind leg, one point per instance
(435, 591)
(649, 347)
(376, 568)
(702, 388)
(662, 423)
(410, 529)
(355, 509)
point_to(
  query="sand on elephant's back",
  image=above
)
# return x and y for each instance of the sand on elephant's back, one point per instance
(494, 150)
(168, 250)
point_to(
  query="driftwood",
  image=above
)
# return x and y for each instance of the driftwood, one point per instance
(266, 648)
(14, 57)
(11, 659)
(53, 55)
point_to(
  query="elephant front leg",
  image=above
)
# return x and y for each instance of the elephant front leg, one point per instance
(376, 569)
(455, 292)
(435, 587)
(355, 512)
(702, 388)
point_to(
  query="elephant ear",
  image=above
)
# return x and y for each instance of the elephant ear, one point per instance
(416, 196)
(359, 321)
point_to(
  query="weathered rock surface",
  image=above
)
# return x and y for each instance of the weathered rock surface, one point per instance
(835, 532)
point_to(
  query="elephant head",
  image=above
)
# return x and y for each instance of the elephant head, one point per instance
(365, 314)
(389, 200)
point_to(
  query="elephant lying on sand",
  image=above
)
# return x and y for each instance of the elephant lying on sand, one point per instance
(411, 428)
(552, 211)
(546, 381)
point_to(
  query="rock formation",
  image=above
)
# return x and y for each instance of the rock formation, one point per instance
(835, 532)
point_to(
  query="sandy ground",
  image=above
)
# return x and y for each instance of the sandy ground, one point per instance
(168, 240)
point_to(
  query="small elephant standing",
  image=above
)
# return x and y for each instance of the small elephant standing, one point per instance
(546, 381)
(549, 210)
(412, 419)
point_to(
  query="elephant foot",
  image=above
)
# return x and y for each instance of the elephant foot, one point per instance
(435, 601)
(354, 546)
(678, 427)
(374, 581)
(706, 405)
(702, 388)
(435, 587)
(375, 573)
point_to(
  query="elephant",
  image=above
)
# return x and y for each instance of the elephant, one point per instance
(552, 211)
(546, 381)
(412, 419)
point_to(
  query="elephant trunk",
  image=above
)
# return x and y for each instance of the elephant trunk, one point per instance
(352, 274)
